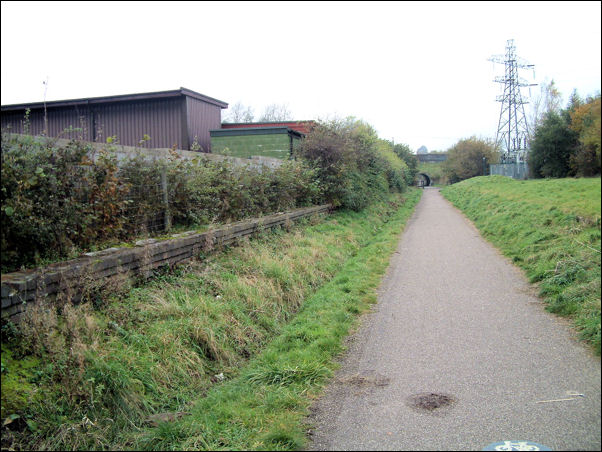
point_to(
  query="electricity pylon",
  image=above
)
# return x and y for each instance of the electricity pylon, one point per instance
(512, 131)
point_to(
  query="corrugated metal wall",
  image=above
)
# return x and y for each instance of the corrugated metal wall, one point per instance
(130, 121)
(202, 117)
(169, 121)
(59, 120)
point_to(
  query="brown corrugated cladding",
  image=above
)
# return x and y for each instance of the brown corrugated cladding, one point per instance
(168, 117)
(202, 117)
(59, 121)
(130, 121)
(161, 119)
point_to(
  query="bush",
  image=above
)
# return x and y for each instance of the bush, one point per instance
(567, 143)
(404, 152)
(468, 158)
(355, 168)
(55, 199)
(58, 201)
(585, 121)
(552, 146)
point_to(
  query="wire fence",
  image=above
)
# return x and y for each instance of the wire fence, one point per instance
(514, 170)
(147, 207)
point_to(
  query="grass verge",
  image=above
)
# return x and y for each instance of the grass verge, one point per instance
(551, 229)
(223, 354)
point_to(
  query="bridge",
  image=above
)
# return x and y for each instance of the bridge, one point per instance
(432, 157)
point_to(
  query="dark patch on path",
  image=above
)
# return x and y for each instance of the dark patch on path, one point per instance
(431, 401)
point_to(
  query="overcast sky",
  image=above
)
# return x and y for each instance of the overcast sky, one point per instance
(417, 72)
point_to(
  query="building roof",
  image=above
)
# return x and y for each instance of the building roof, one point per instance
(300, 126)
(254, 131)
(117, 98)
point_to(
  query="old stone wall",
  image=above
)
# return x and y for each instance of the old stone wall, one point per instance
(72, 279)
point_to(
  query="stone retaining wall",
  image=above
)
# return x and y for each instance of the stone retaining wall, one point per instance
(73, 278)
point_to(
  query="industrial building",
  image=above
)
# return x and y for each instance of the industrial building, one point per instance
(180, 118)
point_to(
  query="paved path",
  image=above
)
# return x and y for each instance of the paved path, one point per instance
(456, 319)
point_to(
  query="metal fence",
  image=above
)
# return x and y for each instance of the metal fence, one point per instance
(514, 170)
(149, 202)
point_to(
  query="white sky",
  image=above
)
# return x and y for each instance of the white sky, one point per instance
(418, 72)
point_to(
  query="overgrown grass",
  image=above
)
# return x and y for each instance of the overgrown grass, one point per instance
(223, 354)
(551, 229)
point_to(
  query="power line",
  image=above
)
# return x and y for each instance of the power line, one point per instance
(512, 132)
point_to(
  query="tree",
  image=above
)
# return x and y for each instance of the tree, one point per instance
(585, 121)
(404, 152)
(355, 167)
(276, 112)
(552, 147)
(469, 158)
(239, 113)
(575, 101)
(548, 100)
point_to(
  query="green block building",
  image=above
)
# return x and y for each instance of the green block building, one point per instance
(277, 142)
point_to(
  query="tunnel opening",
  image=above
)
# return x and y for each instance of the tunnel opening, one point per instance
(424, 180)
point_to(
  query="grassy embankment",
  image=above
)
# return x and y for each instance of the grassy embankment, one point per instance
(551, 229)
(225, 354)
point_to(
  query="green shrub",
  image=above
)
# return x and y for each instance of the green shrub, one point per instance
(468, 158)
(55, 199)
(354, 166)
(58, 201)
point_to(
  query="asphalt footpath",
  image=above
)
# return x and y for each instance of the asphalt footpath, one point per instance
(458, 354)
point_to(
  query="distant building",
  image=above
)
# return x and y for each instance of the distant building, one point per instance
(422, 150)
(177, 118)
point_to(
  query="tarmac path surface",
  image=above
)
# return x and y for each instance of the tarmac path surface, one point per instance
(458, 354)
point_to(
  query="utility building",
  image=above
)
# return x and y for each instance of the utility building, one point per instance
(276, 139)
(278, 142)
(180, 118)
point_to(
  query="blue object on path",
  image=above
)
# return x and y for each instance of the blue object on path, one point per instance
(516, 445)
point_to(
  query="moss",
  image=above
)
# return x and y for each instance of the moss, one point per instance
(18, 389)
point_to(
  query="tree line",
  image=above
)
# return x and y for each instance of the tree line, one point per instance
(271, 113)
(564, 142)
